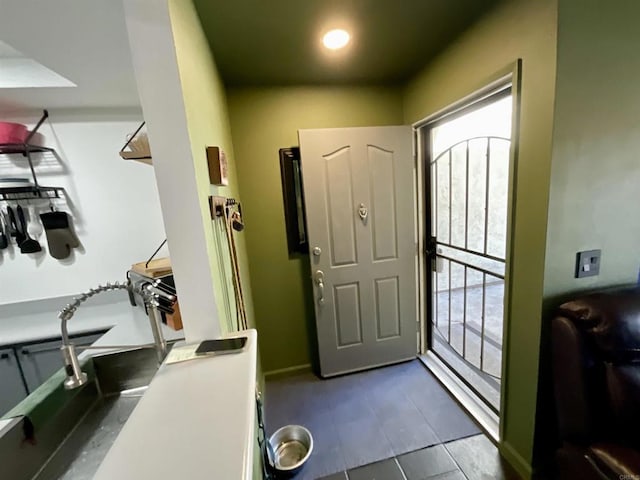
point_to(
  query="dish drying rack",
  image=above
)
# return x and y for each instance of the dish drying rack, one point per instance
(26, 149)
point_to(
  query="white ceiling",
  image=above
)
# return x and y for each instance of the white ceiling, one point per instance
(19, 71)
(83, 41)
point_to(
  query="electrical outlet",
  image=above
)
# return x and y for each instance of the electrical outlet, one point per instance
(588, 263)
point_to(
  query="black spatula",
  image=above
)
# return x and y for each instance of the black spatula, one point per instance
(14, 230)
(4, 241)
(28, 245)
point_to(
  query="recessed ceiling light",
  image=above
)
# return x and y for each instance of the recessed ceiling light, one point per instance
(336, 39)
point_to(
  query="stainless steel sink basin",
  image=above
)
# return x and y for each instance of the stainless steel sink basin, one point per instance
(62, 434)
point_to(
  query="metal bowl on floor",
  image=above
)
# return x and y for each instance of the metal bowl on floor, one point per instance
(290, 448)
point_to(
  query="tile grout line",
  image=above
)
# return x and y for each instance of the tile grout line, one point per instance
(454, 458)
(404, 475)
(424, 417)
(434, 477)
(367, 400)
(380, 421)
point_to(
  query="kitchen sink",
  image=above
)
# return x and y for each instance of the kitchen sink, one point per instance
(65, 434)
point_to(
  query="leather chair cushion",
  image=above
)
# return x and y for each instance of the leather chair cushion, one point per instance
(611, 320)
(623, 385)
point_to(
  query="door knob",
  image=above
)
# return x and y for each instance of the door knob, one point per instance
(317, 251)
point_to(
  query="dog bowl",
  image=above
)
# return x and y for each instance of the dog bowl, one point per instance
(291, 446)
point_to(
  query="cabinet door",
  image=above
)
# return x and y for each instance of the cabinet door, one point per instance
(12, 389)
(41, 360)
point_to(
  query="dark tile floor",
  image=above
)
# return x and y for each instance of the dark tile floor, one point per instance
(472, 458)
(366, 417)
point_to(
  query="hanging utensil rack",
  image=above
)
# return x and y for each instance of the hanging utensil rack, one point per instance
(26, 149)
(218, 204)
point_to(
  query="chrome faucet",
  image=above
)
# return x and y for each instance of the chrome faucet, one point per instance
(157, 297)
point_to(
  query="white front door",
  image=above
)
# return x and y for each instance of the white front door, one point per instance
(360, 206)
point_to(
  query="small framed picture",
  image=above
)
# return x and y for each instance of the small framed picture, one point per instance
(218, 168)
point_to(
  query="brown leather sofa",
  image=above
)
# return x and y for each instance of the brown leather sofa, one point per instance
(596, 370)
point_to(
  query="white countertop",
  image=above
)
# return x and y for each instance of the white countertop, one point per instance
(196, 421)
(197, 418)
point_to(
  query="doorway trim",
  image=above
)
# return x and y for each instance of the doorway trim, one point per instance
(510, 75)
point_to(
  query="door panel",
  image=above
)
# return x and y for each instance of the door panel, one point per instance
(348, 318)
(383, 209)
(360, 209)
(387, 307)
(339, 194)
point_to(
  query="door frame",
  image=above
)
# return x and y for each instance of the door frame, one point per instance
(511, 75)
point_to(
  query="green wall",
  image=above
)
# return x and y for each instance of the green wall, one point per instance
(576, 176)
(208, 124)
(517, 30)
(595, 168)
(263, 120)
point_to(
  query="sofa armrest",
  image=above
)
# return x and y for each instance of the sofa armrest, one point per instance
(616, 461)
(570, 382)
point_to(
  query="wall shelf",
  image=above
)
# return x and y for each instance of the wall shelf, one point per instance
(23, 149)
(138, 148)
(34, 191)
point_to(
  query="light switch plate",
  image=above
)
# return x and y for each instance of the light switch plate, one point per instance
(588, 263)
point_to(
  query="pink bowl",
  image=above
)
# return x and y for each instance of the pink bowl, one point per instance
(12, 132)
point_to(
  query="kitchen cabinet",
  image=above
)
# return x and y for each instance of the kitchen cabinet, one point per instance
(12, 388)
(41, 360)
(24, 367)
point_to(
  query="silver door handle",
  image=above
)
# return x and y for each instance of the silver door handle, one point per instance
(321, 290)
(319, 278)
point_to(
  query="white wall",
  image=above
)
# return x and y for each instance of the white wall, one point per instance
(114, 204)
(158, 31)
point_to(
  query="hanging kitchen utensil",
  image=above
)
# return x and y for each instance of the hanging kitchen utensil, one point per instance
(236, 222)
(60, 235)
(233, 221)
(13, 227)
(29, 245)
(34, 227)
(4, 241)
